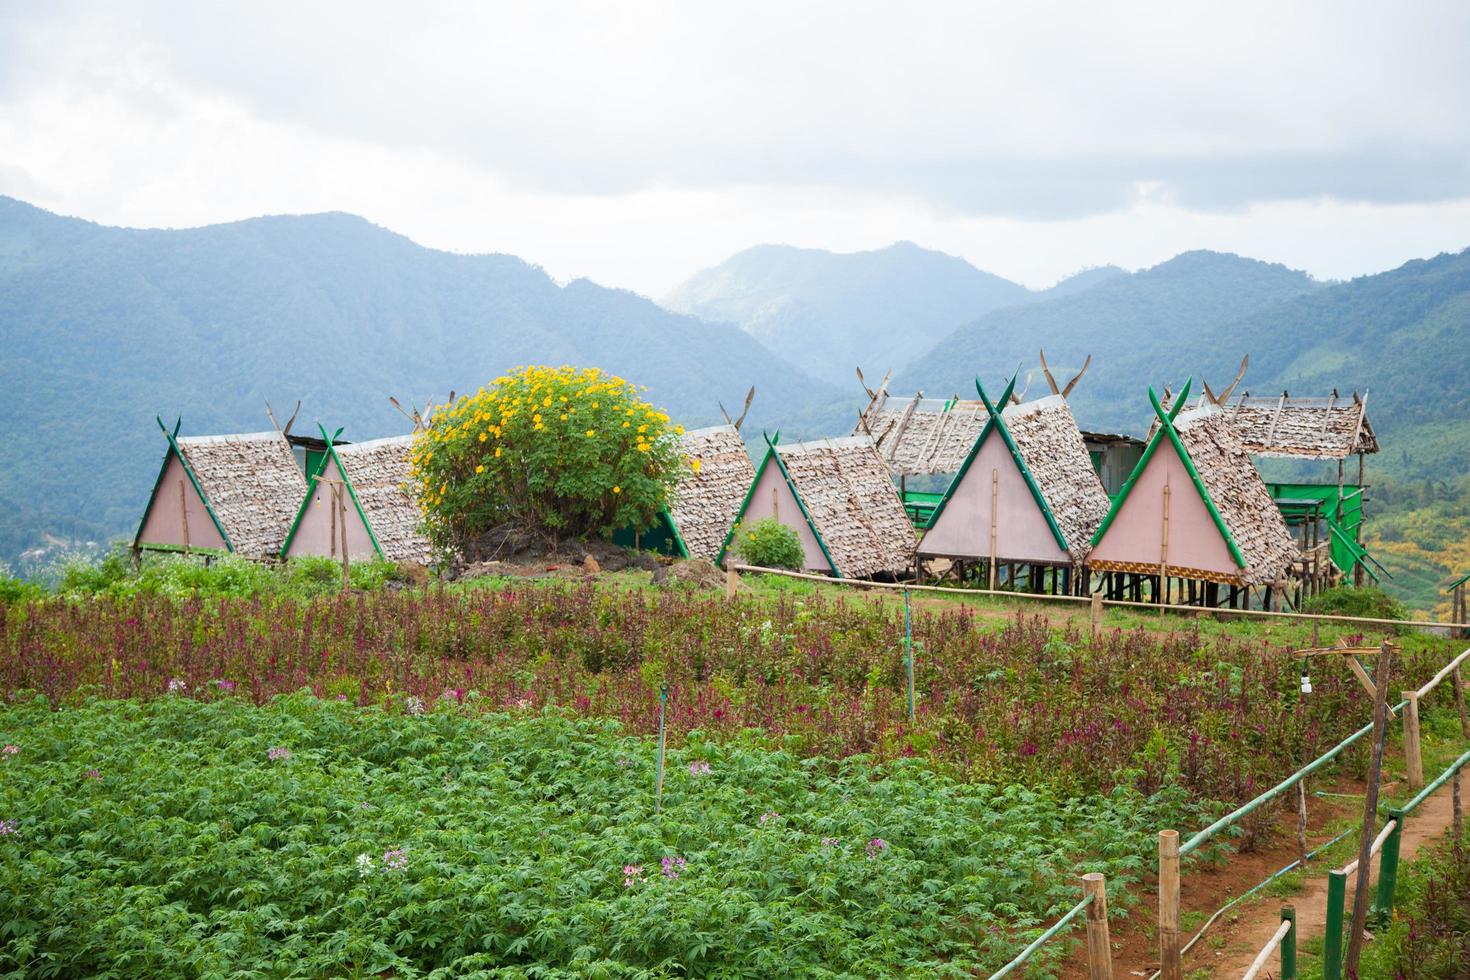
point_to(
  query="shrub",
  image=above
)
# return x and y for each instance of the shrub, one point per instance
(770, 544)
(1349, 600)
(576, 452)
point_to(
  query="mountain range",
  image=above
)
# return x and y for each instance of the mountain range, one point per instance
(104, 328)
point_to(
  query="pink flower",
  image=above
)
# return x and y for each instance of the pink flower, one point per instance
(225, 686)
(176, 686)
(768, 816)
(699, 769)
(11, 750)
(395, 860)
(278, 754)
(829, 841)
(876, 846)
(632, 875)
(93, 774)
(8, 827)
(672, 866)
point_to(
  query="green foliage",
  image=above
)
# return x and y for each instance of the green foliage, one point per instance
(769, 543)
(313, 838)
(180, 576)
(577, 452)
(15, 590)
(1349, 600)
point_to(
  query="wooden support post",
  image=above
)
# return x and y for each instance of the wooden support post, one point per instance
(1096, 614)
(342, 529)
(332, 526)
(1171, 966)
(1301, 820)
(1459, 685)
(1099, 944)
(732, 583)
(1413, 759)
(994, 504)
(1164, 552)
(1370, 811)
(184, 515)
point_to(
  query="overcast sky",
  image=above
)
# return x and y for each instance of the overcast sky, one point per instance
(637, 143)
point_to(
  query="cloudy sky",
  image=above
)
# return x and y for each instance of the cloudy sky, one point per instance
(636, 143)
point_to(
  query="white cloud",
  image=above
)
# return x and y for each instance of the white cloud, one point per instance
(637, 143)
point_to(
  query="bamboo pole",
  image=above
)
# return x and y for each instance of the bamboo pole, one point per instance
(1096, 614)
(342, 529)
(732, 582)
(1370, 811)
(1099, 944)
(1162, 597)
(184, 515)
(994, 505)
(1301, 820)
(1459, 682)
(1171, 965)
(1413, 756)
(1264, 955)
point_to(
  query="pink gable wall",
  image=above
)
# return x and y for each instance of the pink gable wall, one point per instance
(164, 523)
(1136, 534)
(773, 498)
(963, 528)
(314, 533)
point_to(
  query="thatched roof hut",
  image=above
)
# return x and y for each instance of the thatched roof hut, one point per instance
(1303, 428)
(707, 499)
(1196, 480)
(381, 517)
(839, 498)
(1029, 477)
(231, 494)
(920, 436)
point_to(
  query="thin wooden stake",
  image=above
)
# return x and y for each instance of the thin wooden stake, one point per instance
(1164, 552)
(1413, 758)
(1096, 610)
(658, 798)
(342, 529)
(1301, 820)
(1459, 683)
(994, 504)
(1171, 965)
(1099, 944)
(1370, 812)
(184, 514)
(732, 583)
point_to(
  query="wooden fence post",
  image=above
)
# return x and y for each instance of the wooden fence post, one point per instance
(732, 583)
(1370, 811)
(1459, 683)
(1171, 965)
(1096, 610)
(1099, 944)
(1413, 758)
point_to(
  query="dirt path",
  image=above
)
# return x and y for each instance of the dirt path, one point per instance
(1257, 923)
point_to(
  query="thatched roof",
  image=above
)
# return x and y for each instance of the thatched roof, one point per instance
(378, 472)
(922, 435)
(853, 504)
(252, 485)
(1240, 496)
(1051, 445)
(705, 502)
(1303, 428)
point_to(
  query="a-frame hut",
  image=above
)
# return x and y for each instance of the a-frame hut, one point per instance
(839, 498)
(1195, 509)
(361, 489)
(229, 494)
(1025, 494)
(708, 497)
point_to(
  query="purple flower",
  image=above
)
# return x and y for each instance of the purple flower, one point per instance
(876, 846)
(632, 875)
(93, 774)
(829, 841)
(672, 866)
(224, 685)
(395, 860)
(699, 769)
(176, 686)
(8, 827)
(768, 816)
(278, 753)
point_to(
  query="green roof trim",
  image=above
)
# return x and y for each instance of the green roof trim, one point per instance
(773, 455)
(331, 453)
(173, 446)
(997, 423)
(1459, 582)
(1166, 430)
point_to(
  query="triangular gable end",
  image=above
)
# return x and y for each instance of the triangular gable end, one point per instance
(178, 505)
(1131, 537)
(315, 530)
(1025, 528)
(772, 494)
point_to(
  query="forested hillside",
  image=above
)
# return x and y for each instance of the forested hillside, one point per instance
(104, 328)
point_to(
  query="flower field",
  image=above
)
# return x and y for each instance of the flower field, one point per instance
(316, 838)
(1027, 702)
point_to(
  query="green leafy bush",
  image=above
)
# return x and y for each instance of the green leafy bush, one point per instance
(1350, 600)
(769, 544)
(577, 452)
(317, 839)
(227, 576)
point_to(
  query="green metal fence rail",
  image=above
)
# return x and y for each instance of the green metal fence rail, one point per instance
(1043, 939)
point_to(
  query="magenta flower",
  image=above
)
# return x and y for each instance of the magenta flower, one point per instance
(672, 866)
(395, 860)
(829, 841)
(93, 774)
(278, 754)
(768, 816)
(876, 846)
(8, 827)
(699, 769)
(225, 686)
(632, 875)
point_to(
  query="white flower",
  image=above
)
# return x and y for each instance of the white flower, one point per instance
(365, 865)
(414, 706)
(176, 686)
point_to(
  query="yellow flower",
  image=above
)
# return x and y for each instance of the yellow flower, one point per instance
(643, 428)
(617, 489)
(694, 466)
(626, 424)
(442, 488)
(563, 416)
(483, 437)
(497, 450)
(480, 468)
(591, 432)
(678, 430)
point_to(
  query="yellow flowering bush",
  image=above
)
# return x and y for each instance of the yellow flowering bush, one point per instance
(573, 450)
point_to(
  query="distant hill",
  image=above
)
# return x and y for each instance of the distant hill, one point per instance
(1153, 326)
(828, 312)
(103, 328)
